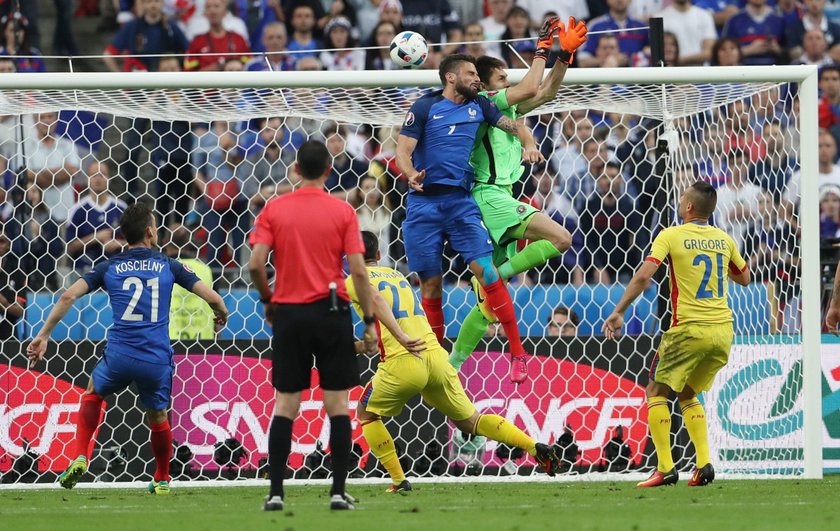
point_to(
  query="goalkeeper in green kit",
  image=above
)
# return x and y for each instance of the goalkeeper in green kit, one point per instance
(496, 160)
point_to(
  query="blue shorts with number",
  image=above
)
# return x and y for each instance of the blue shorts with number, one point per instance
(432, 220)
(114, 373)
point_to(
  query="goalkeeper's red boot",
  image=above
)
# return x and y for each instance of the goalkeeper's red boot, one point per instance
(547, 458)
(518, 368)
(660, 479)
(702, 476)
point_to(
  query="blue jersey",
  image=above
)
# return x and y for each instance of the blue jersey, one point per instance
(629, 42)
(88, 217)
(139, 283)
(446, 133)
(746, 30)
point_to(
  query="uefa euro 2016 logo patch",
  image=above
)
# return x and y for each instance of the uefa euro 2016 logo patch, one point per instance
(521, 209)
(409, 119)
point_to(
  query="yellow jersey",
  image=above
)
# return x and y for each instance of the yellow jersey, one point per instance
(405, 306)
(699, 257)
(189, 316)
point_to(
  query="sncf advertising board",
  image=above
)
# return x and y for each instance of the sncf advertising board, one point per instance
(223, 390)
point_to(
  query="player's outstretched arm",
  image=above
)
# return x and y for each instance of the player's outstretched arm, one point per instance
(548, 89)
(35, 351)
(405, 149)
(530, 84)
(364, 292)
(523, 133)
(639, 283)
(214, 300)
(571, 37)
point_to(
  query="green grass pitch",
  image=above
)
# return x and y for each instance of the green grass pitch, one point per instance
(747, 505)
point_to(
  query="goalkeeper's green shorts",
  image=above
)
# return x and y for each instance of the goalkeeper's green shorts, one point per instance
(505, 218)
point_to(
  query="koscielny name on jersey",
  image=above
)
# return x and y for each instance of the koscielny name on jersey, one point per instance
(138, 265)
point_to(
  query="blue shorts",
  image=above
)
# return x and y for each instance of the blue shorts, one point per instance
(154, 381)
(432, 220)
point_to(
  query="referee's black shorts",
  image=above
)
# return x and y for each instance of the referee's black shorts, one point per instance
(304, 331)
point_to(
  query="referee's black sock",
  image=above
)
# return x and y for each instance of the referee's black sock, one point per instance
(340, 446)
(279, 446)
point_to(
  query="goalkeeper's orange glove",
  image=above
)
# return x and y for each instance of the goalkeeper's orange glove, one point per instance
(571, 38)
(548, 32)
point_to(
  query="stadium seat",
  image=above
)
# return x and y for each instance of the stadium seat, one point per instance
(750, 308)
(246, 318)
(91, 316)
(38, 307)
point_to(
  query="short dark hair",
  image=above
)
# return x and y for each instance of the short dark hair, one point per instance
(485, 66)
(371, 243)
(451, 63)
(134, 222)
(829, 68)
(704, 198)
(313, 160)
(518, 11)
(304, 6)
(572, 315)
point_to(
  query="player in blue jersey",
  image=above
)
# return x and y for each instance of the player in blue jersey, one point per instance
(139, 282)
(438, 136)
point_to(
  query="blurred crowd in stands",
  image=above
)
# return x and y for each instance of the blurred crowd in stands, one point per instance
(64, 184)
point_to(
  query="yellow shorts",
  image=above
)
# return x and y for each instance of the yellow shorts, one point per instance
(399, 379)
(692, 354)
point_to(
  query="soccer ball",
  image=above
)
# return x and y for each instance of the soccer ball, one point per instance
(409, 49)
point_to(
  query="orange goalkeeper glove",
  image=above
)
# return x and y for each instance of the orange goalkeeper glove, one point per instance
(548, 32)
(571, 39)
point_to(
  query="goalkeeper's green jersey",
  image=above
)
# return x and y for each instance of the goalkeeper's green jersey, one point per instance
(497, 156)
(189, 316)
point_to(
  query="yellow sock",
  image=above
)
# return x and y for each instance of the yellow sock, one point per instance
(659, 422)
(497, 428)
(694, 417)
(382, 446)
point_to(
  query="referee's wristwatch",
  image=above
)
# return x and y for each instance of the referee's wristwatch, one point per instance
(369, 319)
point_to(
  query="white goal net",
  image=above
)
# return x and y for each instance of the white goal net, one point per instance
(209, 154)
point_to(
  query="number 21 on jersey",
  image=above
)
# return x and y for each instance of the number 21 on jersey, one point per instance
(135, 284)
(711, 275)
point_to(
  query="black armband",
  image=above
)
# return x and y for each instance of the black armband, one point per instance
(369, 319)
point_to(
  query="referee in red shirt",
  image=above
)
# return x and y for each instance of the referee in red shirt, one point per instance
(310, 232)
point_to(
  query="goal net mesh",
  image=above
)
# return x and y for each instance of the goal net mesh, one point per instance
(208, 159)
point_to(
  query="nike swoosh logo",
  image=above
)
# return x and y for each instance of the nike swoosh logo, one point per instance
(436, 117)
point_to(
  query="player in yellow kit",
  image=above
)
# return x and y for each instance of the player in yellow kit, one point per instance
(701, 258)
(413, 362)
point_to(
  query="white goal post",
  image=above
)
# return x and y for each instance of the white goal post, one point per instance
(381, 98)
